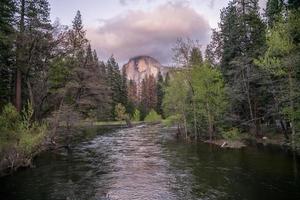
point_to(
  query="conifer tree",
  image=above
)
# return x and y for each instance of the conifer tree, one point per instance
(160, 93)
(33, 24)
(242, 41)
(195, 57)
(115, 82)
(7, 8)
(273, 10)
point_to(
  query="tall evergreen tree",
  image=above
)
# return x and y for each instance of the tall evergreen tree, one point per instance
(293, 4)
(273, 10)
(160, 93)
(124, 94)
(33, 33)
(115, 82)
(148, 95)
(242, 39)
(7, 8)
(195, 57)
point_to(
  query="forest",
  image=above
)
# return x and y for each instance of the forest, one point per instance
(245, 84)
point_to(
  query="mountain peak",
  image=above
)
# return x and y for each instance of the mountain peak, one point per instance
(139, 67)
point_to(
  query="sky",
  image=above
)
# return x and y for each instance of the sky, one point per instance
(128, 28)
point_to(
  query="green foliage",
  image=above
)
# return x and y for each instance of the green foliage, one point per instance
(58, 73)
(17, 130)
(171, 120)
(209, 87)
(209, 93)
(120, 112)
(159, 93)
(136, 115)
(31, 139)
(176, 92)
(195, 57)
(153, 116)
(117, 84)
(281, 61)
(232, 134)
(10, 122)
(273, 10)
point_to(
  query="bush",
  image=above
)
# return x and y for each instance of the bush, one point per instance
(171, 120)
(136, 115)
(19, 135)
(9, 117)
(120, 112)
(10, 122)
(153, 117)
(232, 134)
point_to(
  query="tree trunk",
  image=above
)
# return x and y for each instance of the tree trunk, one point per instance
(128, 122)
(292, 119)
(210, 124)
(18, 90)
(195, 120)
(18, 100)
(284, 129)
(185, 127)
(30, 93)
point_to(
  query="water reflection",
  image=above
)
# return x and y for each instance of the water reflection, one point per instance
(146, 162)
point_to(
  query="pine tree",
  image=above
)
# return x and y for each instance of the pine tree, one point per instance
(7, 8)
(160, 93)
(124, 94)
(148, 95)
(293, 4)
(33, 24)
(242, 41)
(93, 99)
(195, 57)
(115, 82)
(77, 36)
(132, 93)
(273, 10)
(213, 50)
(281, 60)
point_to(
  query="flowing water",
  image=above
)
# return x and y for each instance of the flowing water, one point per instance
(146, 162)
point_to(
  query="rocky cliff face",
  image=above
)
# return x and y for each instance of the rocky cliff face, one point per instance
(140, 67)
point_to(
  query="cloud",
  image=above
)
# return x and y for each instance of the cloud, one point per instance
(126, 2)
(211, 4)
(150, 33)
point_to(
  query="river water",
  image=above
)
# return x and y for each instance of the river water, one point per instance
(146, 163)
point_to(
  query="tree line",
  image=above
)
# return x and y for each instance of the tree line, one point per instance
(50, 76)
(249, 79)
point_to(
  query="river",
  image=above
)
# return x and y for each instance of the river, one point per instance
(146, 163)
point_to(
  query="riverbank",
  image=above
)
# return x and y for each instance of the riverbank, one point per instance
(235, 144)
(148, 162)
(20, 154)
(86, 130)
(278, 142)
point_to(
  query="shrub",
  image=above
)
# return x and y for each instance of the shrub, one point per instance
(171, 120)
(153, 117)
(9, 117)
(136, 115)
(19, 134)
(232, 134)
(32, 139)
(120, 112)
(10, 122)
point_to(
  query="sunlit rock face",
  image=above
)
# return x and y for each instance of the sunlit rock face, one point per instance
(140, 67)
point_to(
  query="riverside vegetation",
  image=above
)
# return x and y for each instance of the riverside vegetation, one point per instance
(247, 82)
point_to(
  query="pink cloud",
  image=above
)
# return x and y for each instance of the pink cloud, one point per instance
(150, 33)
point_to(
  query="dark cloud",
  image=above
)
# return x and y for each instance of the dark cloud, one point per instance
(149, 33)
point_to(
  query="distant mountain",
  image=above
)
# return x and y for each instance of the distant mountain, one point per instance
(140, 67)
